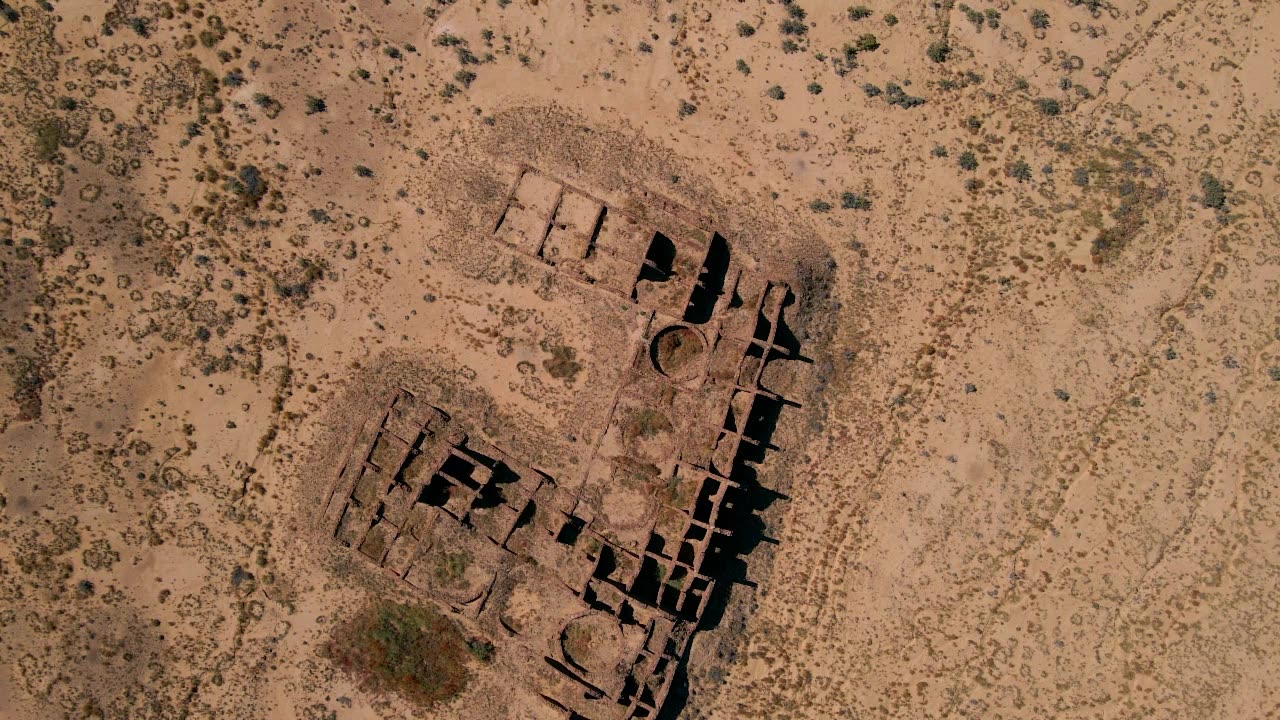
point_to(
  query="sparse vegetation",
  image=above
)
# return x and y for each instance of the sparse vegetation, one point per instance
(968, 161)
(315, 105)
(820, 206)
(1039, 19)
(776, 93)
(814, 88)
(743, 67)
(686, 109)
(49, 134)
(745, 29)
(406, 649)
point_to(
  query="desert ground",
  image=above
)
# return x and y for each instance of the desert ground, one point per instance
(979, 303)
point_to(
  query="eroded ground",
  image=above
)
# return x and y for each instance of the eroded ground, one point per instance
(1033, 251)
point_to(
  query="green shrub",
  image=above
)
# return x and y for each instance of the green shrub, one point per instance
(968, 161)
(1020, 170)
(895, 95)
(686, 109)
(776, 92)
(866, 43)
(1049, 106)
(854, 201)
(791, 26)
(363, 171)
(1039, 19)
(315, 105)
(814, 88)
(859, 12)
(745, 29)
(1213, 194)
(820, 206)
(743, 67)
(890, 19)
(938, 51)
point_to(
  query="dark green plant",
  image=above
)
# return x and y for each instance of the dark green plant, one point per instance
(1039, 19)
(743, 67)
(745, 29)
(315, 105)
(859, 12)
(820, 206)
(363, 171)
(776, 92)
(895, 95)
(814, 88)
(854, 201)
(686, 109)
(866, 43)
(1212, 193)
(968, 161)
(938, 51)
(791, 26)
(1020, 170)
(1049, 106)
(890, 19)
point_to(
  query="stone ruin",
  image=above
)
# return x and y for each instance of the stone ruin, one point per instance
(593, 584)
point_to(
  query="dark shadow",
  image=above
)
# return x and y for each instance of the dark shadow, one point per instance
(606, 564)
(658, 261)
(436, 492)
(459, 469)
(570, 531)
(595, 232)
(526, 516)
(710, 282)
(648, 581)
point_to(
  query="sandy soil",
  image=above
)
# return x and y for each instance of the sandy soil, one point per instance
(1029, 470)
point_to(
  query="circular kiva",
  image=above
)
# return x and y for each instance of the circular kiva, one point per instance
(593, 642)
(677, 351)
